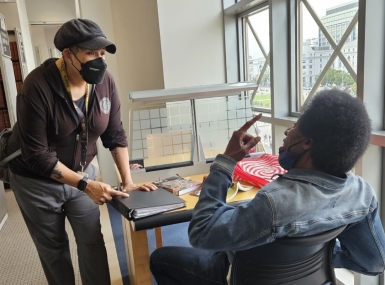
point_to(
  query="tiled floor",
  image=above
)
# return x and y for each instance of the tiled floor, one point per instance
(19, 262)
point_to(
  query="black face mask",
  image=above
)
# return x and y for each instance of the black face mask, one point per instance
(93, 71)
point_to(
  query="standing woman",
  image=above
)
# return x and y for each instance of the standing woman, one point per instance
(64, 106)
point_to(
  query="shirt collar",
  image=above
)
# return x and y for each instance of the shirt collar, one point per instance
(316, 177)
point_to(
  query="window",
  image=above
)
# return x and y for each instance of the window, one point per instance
(322, 78)
(335, 38)
(257, 49)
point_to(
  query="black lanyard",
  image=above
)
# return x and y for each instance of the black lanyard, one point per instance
(83, 137)
(60, 63)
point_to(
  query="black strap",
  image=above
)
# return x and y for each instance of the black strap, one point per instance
(10, 157)
(84, 132)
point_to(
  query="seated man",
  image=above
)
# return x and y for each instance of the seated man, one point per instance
(315, 195)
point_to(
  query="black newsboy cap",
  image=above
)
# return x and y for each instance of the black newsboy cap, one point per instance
(84, 33)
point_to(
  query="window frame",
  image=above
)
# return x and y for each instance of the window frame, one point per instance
(370, 83)
(336, 55)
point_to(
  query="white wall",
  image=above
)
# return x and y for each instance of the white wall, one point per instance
(38, 36)
(16, 17)
(100, 12)
(49, 33)
(9, 11)
(191, 34)
(38, 41)
(136, 29)
(50, 11)
(24, 28)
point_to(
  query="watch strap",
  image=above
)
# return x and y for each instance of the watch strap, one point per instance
(82, 183)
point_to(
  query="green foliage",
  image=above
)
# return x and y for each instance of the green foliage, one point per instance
(265, 81)
(335, 77)
(262, 100)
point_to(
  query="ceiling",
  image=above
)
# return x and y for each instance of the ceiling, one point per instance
(50, 12)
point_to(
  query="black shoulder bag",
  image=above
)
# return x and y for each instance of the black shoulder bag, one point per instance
(4, 159)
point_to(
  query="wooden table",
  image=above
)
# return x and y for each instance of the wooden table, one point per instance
(135, 234)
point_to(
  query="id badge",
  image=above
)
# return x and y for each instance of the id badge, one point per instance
(83, 174)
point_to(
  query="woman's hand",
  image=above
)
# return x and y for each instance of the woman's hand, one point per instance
(144, 187)
(134, 166)
(101, 192)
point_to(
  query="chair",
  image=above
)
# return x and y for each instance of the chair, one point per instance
(290, 261)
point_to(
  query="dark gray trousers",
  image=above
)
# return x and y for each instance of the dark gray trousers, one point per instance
(44, 205)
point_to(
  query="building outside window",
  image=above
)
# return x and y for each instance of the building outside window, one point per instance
(331, 17)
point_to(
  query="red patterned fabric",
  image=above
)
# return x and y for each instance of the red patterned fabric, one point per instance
(259, 171)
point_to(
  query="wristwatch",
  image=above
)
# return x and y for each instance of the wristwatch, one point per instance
(82, 184)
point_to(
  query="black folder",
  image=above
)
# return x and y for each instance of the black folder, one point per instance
(142, 204)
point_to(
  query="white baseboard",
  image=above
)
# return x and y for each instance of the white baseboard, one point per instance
(3, 221)
(344, 276)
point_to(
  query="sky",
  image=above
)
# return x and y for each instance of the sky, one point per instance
(310, 28)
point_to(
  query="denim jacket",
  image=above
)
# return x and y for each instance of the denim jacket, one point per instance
(299, 203)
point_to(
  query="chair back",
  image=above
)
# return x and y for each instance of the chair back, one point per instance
(290, 261)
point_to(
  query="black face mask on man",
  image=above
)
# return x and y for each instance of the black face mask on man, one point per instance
(92, 71)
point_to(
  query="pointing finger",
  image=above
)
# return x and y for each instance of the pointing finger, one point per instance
(248, 124)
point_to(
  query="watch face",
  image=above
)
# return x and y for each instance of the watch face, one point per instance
(82, 184)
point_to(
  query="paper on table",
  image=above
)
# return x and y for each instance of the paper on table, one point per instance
(233, 190)
(244, 188)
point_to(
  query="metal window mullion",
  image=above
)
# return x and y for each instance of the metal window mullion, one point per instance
(256, 38)
(321, 76)
(259, 8)
(324, 71)
(319, 23)
(241, 30)
(331, 40)
(299, 32)
(267, 61)
(337, 49)
(195, 128)
(246, 48)
(343, 39)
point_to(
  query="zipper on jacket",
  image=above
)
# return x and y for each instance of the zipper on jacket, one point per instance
(75, 150)
(76, 117)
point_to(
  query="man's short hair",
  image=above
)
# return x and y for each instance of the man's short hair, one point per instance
(340, 129)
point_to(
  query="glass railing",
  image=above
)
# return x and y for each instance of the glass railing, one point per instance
(183, 126)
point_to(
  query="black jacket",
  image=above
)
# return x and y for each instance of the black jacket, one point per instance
(48, 126)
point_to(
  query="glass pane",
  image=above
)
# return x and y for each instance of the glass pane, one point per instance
(257, 52)
(162, 134)
(265, 134)
(336, 16)
(218, 118)
(338, 77)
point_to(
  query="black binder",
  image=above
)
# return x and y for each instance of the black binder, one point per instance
(142, 204)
